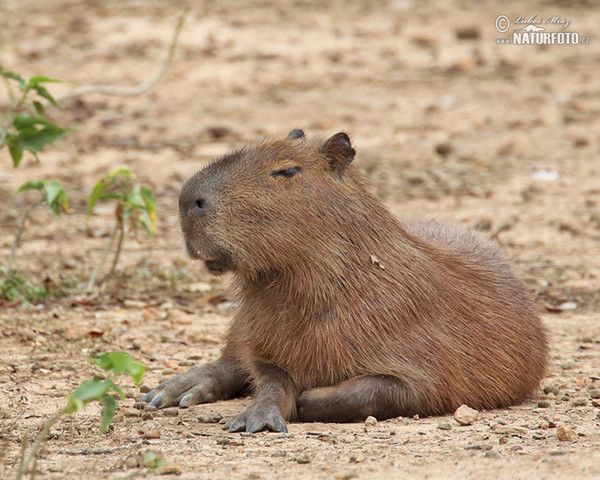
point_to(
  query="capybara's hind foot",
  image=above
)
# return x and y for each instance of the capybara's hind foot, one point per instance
(381, 396)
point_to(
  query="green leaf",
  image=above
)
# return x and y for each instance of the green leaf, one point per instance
(53, 190)
(39, 108)
(16, 152)
(43, 92)
(122, 171)
(108, 412)
(96, 194)
(91, 389)
(121, 362)
(37, 79)
(38, 140)
(34, 185)
(150, 201)
(14, 76)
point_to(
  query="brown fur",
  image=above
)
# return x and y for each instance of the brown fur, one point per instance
(349, 304)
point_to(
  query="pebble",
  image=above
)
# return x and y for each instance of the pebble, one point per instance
(465, 415)
(153, 434)
(131, 412)
(595, 393)
(544, 424)
(216, 418)
(596, 403)
(149, 408)
(171, 412)
(551, 389)
(544, 404)
(133, 461)
(444, 426)
(579, 402)
(169, 470)
(567, 364)
(167, 372)
(145, 389)
(345, 475)
(370, 421)
(360, 458)
(492, 454)
(147, 416)
(303, 459)
(566, 434)
(497, 428)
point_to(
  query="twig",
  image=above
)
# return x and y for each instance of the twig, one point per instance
(18, 235)
(92, 282)
(117, 253)
(140, 88)
(37, 444)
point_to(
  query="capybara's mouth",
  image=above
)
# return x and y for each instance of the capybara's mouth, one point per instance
(219, 265)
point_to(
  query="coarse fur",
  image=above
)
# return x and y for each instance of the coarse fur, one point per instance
(341, 303)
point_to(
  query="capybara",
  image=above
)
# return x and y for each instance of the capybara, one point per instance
(344, 311)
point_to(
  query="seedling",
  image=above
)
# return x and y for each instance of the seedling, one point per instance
(105, 391)
(13, 286)
(135, 207)
(23, 126)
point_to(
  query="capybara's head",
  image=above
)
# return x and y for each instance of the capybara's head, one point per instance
(271, 205)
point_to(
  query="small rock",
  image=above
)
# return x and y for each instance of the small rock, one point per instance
(153, 434)
(596, 403)
(133, 461)
(478, 446)
(548, 389)
(345, 475)
(370, 421)
(579, 402)
(360, 458)
(566, 434)
(131, 412)
(497, 428)
(147, 416)
(169, 470)
(145, 389)
(170, 412)
(216, 418)
(443, 149)
(544, 424)
(543, 404)
(465, 415)
(167, 372)
(444, 426)
(303, 459)
(149, 408)
(567, 364)
(595, 393)
(492, 454)
(470, 32)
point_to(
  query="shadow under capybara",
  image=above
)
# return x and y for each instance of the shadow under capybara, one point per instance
(345, 311)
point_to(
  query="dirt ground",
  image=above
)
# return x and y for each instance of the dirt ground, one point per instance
(447, 124)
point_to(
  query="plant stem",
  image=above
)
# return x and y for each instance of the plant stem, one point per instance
(92, 282)
(18, 235)
(117, 254)
(39, 441)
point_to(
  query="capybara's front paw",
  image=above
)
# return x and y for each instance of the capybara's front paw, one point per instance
(257, 417)
(189, 388)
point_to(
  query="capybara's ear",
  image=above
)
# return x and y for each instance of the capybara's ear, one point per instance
(295, 134)
(338, 151)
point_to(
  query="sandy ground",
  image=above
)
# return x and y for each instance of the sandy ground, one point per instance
(501, 138)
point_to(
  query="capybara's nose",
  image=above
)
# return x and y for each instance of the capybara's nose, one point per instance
(201, 206)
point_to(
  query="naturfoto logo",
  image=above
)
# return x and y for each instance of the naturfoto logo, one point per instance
(532, 31)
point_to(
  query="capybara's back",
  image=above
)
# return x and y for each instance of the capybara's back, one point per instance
(344, 311)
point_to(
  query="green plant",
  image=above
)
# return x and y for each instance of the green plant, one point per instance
(23, 126)
(135, 206)
(105, 391)
(13, 286)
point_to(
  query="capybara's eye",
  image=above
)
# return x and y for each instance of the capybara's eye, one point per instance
(286, 172)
